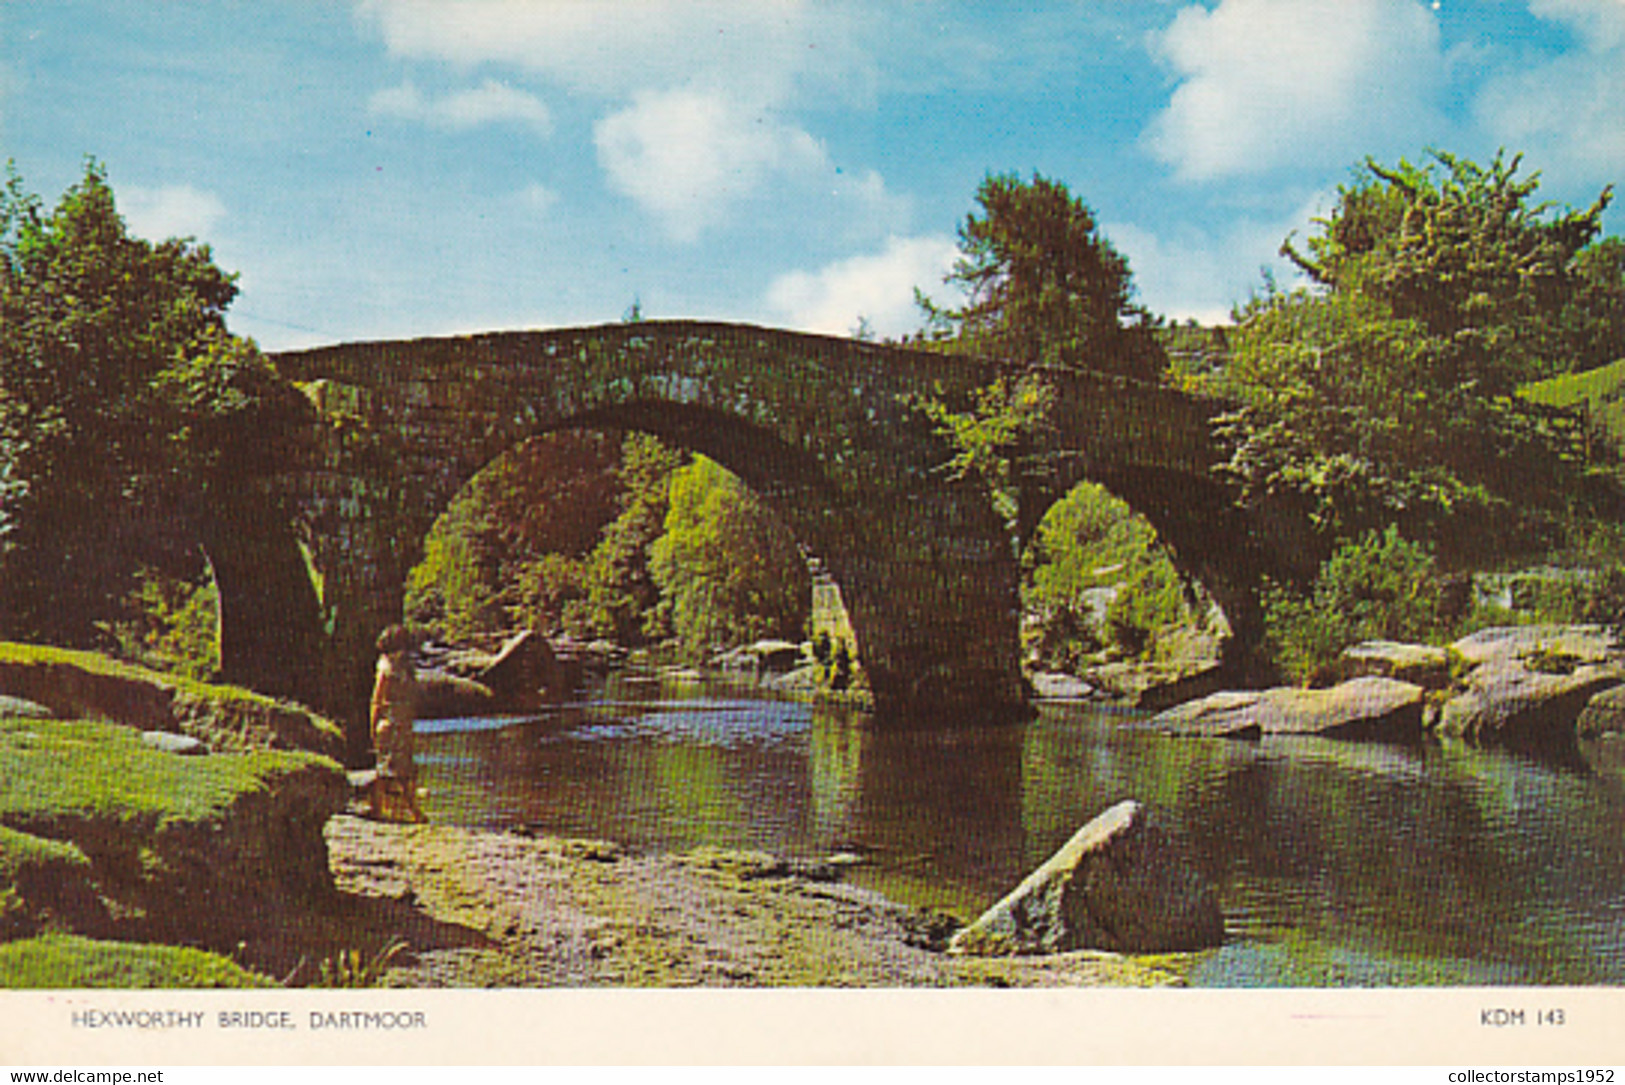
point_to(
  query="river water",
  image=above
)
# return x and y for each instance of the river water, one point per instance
(1338, 863)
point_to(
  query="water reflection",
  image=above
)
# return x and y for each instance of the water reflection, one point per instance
(1337, 862)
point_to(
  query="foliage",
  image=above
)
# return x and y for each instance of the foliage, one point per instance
(1090, 541)
(1381, 587)
(354, 969)
(1386, 394)
(126, 410)
(728, 571)
(550, 496)
(1043, 286)
(1153, 601)
(173, 624)
(989, 436)
(621, 594)
(69, 961)
(1597, 394)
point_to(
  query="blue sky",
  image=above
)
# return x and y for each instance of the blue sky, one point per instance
(392, 168)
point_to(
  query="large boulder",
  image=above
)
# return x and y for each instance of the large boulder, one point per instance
(1121, 883)
(1581, 644)
(1154, 687)
(1507, 702)
(1381, 709)
(1604, 714)
(523, 672)
(1420, 664)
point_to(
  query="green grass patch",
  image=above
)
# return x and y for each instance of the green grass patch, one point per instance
(228, 698)
(19, 851)
(57, 961)
(1600, 393)
(81, 769)
(95, 663)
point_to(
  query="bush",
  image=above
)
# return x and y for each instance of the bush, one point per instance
(1154, 600)
(175, 624)
(1380, 587)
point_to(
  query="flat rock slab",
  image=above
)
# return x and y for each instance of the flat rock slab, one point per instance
(1061, 687)
(1382, 709)
(1120, 884)
(1585, 643)
(1421, 664)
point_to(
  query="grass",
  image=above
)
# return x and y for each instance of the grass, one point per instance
(60, 960)
(81, 769)
(1599, 392)
(14, 654)
(95, 663)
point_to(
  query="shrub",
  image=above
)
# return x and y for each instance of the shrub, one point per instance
(1379, 587)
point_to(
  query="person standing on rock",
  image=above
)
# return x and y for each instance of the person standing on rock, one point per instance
(395, 695)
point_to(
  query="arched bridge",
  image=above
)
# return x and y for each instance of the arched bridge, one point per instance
(827, 430)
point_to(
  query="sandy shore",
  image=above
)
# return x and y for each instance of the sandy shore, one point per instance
(482, 909)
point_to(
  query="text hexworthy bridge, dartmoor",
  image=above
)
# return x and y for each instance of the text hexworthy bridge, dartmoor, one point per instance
(826, 430)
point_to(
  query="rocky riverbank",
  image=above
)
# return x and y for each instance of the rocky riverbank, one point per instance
(500, 909)
(1524, 688)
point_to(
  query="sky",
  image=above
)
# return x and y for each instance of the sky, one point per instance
(397, 168)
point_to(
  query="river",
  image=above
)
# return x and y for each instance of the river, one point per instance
(1338, 863)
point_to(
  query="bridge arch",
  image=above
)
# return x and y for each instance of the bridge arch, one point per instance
(826, 430)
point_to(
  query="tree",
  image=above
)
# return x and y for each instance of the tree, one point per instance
(126, 410)
(728, 571)
(621, 594)
(1044, 287)
(547, 500)
(1387, 392)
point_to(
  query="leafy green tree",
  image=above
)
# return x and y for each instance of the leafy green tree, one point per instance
(728, 571)
(1090, 541)
(621, 595)
(1043, 286)
(547, 499)
(1379, 587)
(1386, 393)
(1590, 330)
(127, 413)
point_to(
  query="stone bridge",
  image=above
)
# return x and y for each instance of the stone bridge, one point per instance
(826, 430)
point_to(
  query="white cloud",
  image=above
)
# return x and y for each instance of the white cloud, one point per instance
(1201, 275)
(489, 103)
(1267, 83)
(1569, 112)
(686, 155)
(171, 211)
(537, 198)
(696, 94)
(877, 287)
(755, 49)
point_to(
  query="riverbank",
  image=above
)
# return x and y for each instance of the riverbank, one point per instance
(502, 909)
